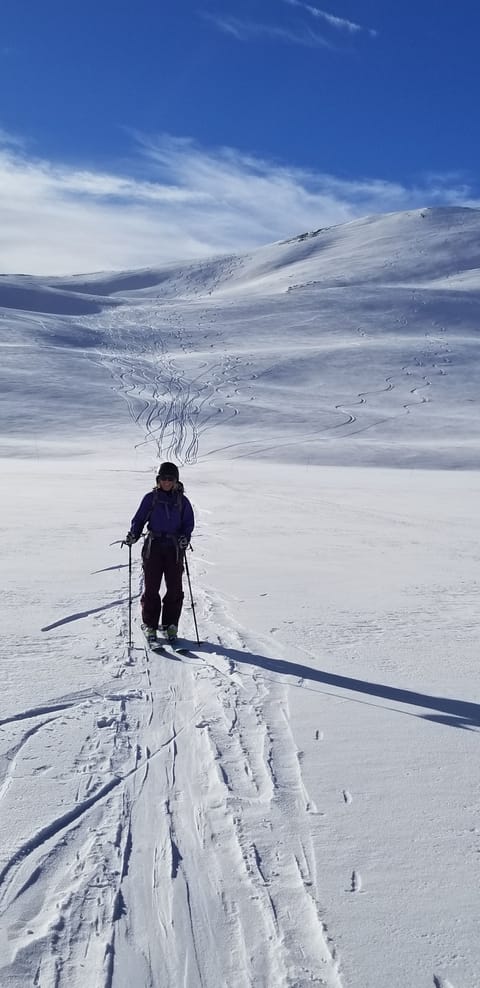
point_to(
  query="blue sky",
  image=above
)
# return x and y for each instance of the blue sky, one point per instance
(218, 125)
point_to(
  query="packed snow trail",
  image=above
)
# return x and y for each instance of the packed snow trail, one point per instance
(185, 845)
(227, 782)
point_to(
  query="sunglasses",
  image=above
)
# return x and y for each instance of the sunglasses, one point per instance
(170, 480)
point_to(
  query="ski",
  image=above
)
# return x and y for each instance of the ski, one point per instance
(180, 652)
(178, 645)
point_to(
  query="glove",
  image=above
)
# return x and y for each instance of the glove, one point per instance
(130, 538)
(183, 542)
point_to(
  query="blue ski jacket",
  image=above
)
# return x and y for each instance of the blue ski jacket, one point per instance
(166, 513)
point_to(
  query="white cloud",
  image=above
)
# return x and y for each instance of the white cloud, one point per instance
(339, 23)
(7, 139)
(251, 30)
(56, 219)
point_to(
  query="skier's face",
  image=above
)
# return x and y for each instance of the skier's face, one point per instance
(166, 483)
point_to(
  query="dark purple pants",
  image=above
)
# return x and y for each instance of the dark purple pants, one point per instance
(161, 560)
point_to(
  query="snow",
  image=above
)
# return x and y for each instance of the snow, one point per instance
(296, 803)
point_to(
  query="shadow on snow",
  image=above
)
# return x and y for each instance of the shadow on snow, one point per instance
(454, 713)
(84, 614)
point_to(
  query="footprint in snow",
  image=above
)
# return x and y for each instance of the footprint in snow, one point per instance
(106, 721)
(356, 882)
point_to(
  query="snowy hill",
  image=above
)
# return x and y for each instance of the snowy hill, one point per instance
(355, 344)
(297, 804)
(411, 248)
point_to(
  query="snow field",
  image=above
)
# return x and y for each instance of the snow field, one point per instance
(296, 802)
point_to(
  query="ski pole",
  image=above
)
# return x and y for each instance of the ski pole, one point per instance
(191, 597)
(130, 643)
(122, 542)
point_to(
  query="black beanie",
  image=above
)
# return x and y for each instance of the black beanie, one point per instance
(168, 471)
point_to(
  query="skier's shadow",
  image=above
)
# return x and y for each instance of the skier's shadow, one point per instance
(83, 614)
(110, 569)
(455, 713)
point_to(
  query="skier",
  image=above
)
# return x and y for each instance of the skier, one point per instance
(169, 517)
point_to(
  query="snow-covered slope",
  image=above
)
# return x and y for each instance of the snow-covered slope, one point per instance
(296, 805)
(356, 344)
(413, 247)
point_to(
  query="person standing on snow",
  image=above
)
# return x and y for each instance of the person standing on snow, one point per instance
(170, 521)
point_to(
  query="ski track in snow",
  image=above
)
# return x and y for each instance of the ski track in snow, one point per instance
(176, 393)
(171, 801)
(211, 844)
(172, 779)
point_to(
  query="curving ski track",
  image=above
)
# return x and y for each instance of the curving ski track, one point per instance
(176, 406)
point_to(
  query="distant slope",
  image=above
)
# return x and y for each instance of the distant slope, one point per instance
(414, 247)
(434, 245)
(30, 294)
(356, 344)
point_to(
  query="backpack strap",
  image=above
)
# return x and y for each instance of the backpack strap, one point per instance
(152, 506)
(180, 503)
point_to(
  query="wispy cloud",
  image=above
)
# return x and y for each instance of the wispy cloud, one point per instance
(7, 139)
(194, 202)
(247, 30)
(339, 23)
